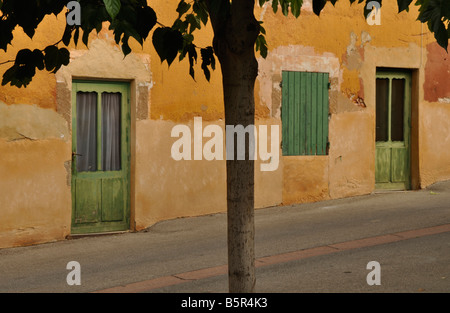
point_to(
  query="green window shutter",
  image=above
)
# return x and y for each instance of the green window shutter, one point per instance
(304, 113)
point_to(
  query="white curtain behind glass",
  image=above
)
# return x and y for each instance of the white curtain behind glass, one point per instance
(86, 131)
(111, 131)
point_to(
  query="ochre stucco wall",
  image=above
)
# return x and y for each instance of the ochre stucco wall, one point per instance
(35, 123)
(34, 191)
(434, 113)
(166, 188)
(435, 155)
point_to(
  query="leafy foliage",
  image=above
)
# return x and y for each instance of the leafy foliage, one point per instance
(261, 44)
(135, 19)
(128, 19)
(112, 7)
(191, 16)
(436, 13)
(167, 42)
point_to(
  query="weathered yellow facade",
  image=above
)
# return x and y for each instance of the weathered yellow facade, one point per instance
(36, 130)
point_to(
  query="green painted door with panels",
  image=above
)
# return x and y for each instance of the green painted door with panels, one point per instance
(393, 128)
(100, 157)
(304, 113)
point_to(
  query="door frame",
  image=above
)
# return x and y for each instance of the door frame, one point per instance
(95, 85)
(407, 75)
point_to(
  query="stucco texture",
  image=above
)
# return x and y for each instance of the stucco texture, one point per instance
(166, 188)
(35, 195)
(35, 123)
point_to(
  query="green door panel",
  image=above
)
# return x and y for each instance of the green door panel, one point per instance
(101, 196)
(382, 172)
(399, 164)
(393, 107)
(113, 199)
(87, 208)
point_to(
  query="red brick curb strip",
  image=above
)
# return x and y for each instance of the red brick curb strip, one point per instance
(276, 259)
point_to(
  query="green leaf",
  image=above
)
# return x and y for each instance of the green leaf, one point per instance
(284, 7)
(201, 11)
(67, 34)
(275, 6)
(54, 58)
(433, 12)
(6, 33)
(19, 76)
(441, 35)
(403, 5)
(261, 45)
(146, 20)
(24, 68)
(38, 59)
(51, 57)
(63, 58)
(192, 55)
(9, 76)
(113, 7)
(167, 43)
(194, 22)
(125, 47)
(296, 6)
(208, 59)
(76, 35)
(262, 30)
(180, 25)
(182, 8)
(23, 57)
(318, 5)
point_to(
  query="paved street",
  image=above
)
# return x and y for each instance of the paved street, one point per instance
(317, 247)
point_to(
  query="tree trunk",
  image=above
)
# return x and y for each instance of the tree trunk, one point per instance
(234, 44)
(238, 84)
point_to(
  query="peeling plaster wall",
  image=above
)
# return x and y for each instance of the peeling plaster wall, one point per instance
(166, 188)
(36, 142)
(435, 165)
(435, 111)
(31, 122)
(34, 178)
(34, 195)
(437, 75)
(35, 123)
(304, 179)
(35, 203)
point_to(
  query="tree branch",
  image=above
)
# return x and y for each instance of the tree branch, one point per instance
(9, 61)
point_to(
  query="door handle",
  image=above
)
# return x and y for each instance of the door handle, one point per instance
(76, 154)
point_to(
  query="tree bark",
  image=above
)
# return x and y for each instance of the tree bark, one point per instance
(238, 84)
(234, 41)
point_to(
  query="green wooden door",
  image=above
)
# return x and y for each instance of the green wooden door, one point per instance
(393, 107)
(100, 157)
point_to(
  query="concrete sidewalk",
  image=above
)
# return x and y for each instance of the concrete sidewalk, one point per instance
(409, 230)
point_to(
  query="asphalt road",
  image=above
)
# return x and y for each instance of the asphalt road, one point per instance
(167, 257)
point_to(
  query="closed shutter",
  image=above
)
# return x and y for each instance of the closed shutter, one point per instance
(304, 113)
